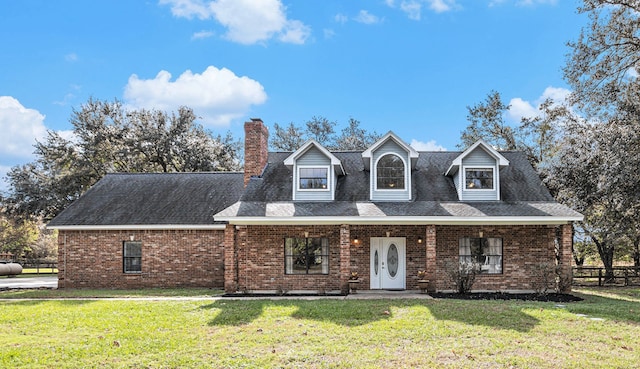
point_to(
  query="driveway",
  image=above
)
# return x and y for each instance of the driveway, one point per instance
(33, 282)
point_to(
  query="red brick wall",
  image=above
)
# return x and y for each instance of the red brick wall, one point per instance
(197, 258)
(261, 255)
(523, 247)
(176, 258)
(260, 252)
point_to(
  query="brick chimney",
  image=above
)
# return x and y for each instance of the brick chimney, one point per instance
(256, 148)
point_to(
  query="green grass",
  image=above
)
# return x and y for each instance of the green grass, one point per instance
(326, 333)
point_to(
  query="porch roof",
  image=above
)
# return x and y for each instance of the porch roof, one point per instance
(418, 212)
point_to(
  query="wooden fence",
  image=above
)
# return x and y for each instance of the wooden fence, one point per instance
(596, 276)
(40, 266)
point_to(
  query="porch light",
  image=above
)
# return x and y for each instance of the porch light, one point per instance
(356, 240)
(420, 239)
(388, 234)
(480, 234)
(131, 237)
(306, 234)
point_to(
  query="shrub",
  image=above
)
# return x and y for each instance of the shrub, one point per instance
(544, 278)
(463, 275)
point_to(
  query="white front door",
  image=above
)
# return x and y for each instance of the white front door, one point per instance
(388, 263)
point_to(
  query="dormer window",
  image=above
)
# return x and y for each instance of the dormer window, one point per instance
(313, 178)
(389, 162)
(478, 178)
(390, 173)
(315, 172)
(476, 173)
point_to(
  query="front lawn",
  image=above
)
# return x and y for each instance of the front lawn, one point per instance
(601, 331)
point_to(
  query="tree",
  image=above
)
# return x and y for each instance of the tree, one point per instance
(108, 138)
(17, 236)
(352, 137)
(355, 138)
(606, 57)
(487, 122)
(288, 138)
(602, 69)
(46, 245)
(321, 130)
(538, 136)
(596, 173)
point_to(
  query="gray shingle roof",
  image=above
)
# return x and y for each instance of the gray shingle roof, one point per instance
(153, 199)
(434, 194)
(194, 198)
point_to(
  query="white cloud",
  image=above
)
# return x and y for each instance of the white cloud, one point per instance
(341, 18)
(441, 6)
(247, 21)
(72, 57)
(201, 35)
(21, 127)
(426, 146)
(188, 8)
(558, 94)
(366, 18)
(329, 33)
(295, 32)
(535, 2)
(524, 2)
(216, 95)
(520, 108)
(412, 8)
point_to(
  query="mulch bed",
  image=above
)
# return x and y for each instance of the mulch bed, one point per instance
(552, 297)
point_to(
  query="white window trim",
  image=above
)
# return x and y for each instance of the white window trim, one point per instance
(329, 178)
(407, 184)
(474, 167)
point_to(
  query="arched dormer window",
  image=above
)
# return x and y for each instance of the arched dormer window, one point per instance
(390, 173)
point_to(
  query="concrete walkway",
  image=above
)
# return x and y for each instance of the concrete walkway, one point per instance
(361, 295)
(32, 282)
(52, 282)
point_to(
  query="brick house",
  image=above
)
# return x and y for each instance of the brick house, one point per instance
(305, 220)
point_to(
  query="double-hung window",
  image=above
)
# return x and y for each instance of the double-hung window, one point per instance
(132, 257)
(478, 178)
(313, 178)
(483, 253)
(306, 255)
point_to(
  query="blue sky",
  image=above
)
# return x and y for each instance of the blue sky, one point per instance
(411, 66)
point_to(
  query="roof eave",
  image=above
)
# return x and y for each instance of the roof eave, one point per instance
(415, 220)
(133, 227)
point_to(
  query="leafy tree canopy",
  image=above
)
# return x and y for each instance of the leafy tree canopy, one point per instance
(351, 138)
(538, 136)
(595, 172)
(17, 237)
(605, 60)
(107, 138)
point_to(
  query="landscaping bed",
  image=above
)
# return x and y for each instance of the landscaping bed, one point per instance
(553, 297)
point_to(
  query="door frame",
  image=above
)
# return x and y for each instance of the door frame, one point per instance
(377, 280)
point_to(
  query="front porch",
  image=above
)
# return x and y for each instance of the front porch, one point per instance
(385, 257)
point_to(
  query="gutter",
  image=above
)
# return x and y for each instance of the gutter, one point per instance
(140, 227)
(485, 220)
